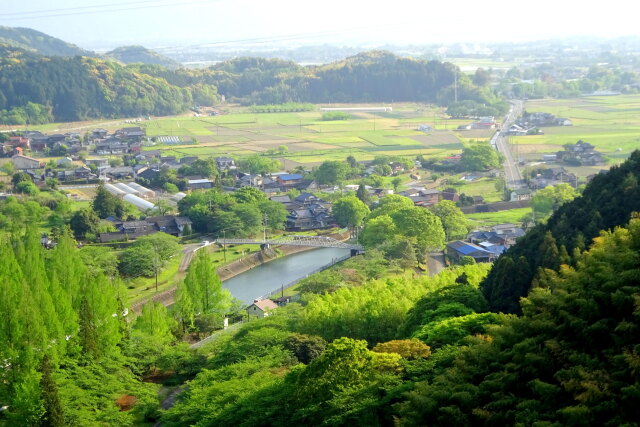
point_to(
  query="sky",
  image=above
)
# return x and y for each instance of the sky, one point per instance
(101, 24)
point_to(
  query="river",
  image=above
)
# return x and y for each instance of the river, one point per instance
(268, 277)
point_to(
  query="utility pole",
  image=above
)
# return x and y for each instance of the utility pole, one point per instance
(224, 244)
(264, 228)
(155, 264)
(455, 86)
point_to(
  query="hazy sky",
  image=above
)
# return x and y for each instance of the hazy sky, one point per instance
(155, 23)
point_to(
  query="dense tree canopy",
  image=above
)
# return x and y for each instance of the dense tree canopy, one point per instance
(479, 156)
(349, 211)
(607, 201)
(453, 220)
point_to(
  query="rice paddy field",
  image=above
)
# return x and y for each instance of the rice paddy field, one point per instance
(310, 140)
(610, 123)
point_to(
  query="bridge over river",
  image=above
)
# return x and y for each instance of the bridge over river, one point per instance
(295, 240)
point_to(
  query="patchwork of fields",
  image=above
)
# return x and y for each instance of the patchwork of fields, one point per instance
(610, 123)
(310, 140)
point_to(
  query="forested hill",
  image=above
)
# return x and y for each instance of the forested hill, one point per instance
(375, 76)
(133, 54)
(78, 88)
(40, 43)
(607, 202)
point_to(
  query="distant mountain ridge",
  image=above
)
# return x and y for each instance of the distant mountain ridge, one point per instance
(40, 43)
(135, 54)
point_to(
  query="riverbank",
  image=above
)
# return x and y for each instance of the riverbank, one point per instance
(262, 257)
(237, 267)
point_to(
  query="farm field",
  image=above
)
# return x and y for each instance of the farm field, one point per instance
(308, 138)
(610, 123)
(484, 219)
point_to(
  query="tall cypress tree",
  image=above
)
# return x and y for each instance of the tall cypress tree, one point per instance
(87, 333)
(53, 415)
(204, 287)
(549, 253)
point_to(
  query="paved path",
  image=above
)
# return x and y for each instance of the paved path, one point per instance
(513, 176)
(435, 263)
(166, 297)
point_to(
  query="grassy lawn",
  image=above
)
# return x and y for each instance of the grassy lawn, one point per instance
(144, 287)
(492, 218)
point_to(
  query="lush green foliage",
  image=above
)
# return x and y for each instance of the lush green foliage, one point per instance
(59, 319)
(335, 115)
(374, 311)
(239, 214)
(479, 156)
(133, 54)
(81, 88)
(106, 204)
(570, 359)
(607, 202)
(201, 292)
(148, 255)
(550, 198)
(332, 172)
(349, 211)
(453, 220)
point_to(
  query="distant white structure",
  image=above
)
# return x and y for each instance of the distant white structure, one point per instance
(143, 191)
(138, 202)
(124, 187)
(115, 190)
(359, 109)
(178, 196)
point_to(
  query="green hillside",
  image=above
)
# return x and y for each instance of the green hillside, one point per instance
(40, 43)
(134, 54)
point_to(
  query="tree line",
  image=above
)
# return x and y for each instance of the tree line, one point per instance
(35, 89)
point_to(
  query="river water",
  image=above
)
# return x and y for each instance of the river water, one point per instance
(265, 278)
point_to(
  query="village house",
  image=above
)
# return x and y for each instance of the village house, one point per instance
(38, 141)
(198, 184)
(307, 212)
(18, 141)
(509, 232)
(23, 163)
(520, 194)
(542, 178)
(450, 194)
(132, 134)
(458, 249)
(131, 230)
(120, 172)
(100, 162)
(289, 180)
(422, 196)
(261, 308)
(580, 153)
(99, 133)
(249, 180)
(225, 163)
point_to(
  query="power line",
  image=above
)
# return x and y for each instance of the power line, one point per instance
(105, 9)
(75, 8)
(269, 39)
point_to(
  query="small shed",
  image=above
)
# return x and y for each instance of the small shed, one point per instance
(261, 308)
